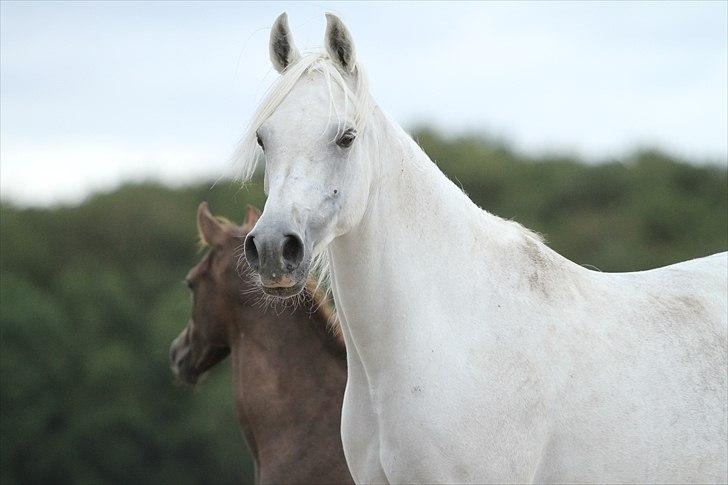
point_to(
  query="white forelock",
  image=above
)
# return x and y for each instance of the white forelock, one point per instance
(247, 154)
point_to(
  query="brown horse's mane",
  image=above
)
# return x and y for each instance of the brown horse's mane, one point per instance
(325, 309)
(322, 305)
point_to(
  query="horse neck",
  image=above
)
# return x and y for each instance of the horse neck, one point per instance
(289, 371)
(424, 246)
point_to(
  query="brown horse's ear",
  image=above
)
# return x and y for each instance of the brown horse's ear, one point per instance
(210, 229)
(252, 214)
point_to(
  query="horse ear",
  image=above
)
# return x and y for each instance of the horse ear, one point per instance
(210, 229)
(339, 44)
(283, 52)
(252, 214)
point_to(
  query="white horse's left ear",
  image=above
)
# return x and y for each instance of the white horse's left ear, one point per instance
(283, 51)
(339, 44)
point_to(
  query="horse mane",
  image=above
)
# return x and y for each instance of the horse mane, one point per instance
(323, 307)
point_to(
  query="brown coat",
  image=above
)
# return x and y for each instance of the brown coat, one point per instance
(289, 368)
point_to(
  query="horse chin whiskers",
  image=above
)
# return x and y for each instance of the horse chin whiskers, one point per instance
(182, 377)
(179, 381)
(279, 305)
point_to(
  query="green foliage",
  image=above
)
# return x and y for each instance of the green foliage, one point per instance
(90, 299)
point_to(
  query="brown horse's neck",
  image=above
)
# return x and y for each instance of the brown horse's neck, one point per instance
(290, 374)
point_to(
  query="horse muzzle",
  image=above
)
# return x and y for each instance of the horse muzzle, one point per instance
(180, 359)
(277, 254)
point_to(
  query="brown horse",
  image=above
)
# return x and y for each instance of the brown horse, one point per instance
(289, 369)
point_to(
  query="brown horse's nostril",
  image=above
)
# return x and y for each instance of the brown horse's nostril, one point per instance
(251, 252)
(292, 251)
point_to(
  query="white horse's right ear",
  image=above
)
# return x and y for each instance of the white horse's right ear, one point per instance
(339, 44)
(283, 52)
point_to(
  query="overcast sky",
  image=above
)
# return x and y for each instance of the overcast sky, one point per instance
(94, 94)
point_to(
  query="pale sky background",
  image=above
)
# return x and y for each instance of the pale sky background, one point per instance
(94, 94)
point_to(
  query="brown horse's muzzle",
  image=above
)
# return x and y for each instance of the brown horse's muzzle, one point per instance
(179, 358)
(189, 359)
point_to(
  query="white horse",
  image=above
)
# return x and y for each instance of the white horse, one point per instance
(475, 352)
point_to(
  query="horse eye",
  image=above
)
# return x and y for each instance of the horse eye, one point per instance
(347, 138)
(189, 284)
(260, 142)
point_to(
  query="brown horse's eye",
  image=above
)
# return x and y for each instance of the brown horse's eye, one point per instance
(189, 284)
(347, 138)
(260, 142)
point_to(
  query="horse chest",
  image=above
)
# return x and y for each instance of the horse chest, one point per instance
(421, 422)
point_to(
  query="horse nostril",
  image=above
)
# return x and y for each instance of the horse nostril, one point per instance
(251, 252)
(292, 251)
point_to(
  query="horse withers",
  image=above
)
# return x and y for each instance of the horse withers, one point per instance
(289, 368)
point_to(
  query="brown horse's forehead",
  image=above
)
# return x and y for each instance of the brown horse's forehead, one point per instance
(200, 267)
